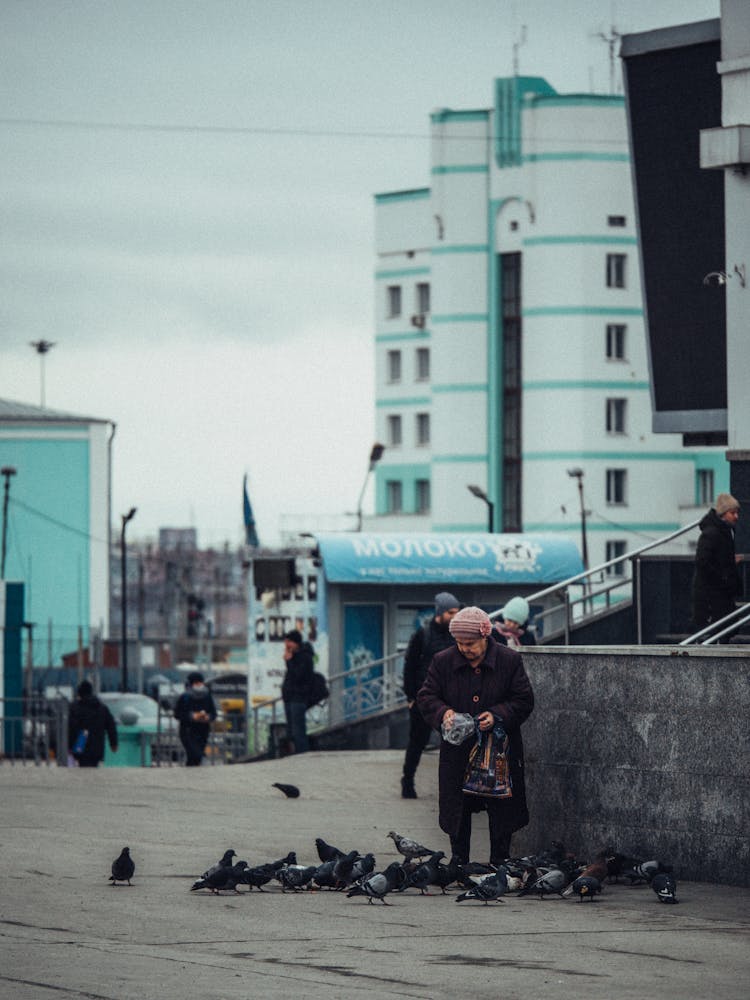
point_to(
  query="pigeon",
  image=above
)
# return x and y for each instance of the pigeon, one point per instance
(225, 862)
(377, 885)
(342, 870)
(123, 868)
(446, 875)
(408, 847)
(548, 884)
(327, 852)
(295, 877)
(221, 877)
(291, 791)
(324, 877)
(585, 887)
(425, 875)
(645, 871)
(363, 866)
(258, 876)
(488, 890)
(598, 870)
(665, 887)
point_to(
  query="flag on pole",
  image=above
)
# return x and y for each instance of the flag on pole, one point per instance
(251, 535)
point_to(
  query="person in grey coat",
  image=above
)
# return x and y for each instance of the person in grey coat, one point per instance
(484, 679)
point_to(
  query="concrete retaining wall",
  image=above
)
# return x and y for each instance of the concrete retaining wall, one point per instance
(646, 749)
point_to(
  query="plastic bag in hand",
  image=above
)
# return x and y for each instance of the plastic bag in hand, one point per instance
(463, 727)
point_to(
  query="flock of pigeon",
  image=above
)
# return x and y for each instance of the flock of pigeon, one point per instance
(554, 872)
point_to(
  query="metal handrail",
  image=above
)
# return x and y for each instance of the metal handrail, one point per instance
(728, 621)
(585, 579)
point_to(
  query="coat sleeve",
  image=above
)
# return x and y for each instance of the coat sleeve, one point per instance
(111, 728)
(430, 697)
(518, 703)
(412, 663)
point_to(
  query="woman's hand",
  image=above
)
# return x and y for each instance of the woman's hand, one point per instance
(448, 718)
(486, 721)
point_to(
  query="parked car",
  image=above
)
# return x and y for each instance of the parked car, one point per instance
(136, 714)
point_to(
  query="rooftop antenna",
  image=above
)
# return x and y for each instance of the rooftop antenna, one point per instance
(611, 39)
(516, 46)
(42, 347)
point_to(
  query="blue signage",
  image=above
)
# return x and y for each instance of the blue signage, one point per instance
(448, 558)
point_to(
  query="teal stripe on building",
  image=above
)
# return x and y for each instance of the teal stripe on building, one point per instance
(584, 384)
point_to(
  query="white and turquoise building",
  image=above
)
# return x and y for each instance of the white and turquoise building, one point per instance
(58, 523)
(510, 345)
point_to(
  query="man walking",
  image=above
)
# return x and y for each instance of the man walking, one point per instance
(716, 582)
(429, 639)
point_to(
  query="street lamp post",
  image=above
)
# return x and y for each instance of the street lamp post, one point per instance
(7, 472)
(124, 598)
(578, 474)
(42, 347)
(478, 492)
(376, 453)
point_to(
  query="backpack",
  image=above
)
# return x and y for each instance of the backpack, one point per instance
(318, 689)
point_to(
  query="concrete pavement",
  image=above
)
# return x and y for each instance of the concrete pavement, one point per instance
(66, 932)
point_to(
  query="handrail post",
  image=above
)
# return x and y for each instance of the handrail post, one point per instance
(638, 601)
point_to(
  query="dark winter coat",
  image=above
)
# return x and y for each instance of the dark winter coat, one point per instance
(431, 638)
(717, 579)
(92, 715)
(500, 685)
(297, 681)
(192, 700)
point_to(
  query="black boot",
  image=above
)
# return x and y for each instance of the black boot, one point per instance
(408, 791)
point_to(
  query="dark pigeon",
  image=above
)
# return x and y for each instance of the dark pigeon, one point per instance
(585, 887)
(324, 877)
(291, 791)
(665, 887)
(489, 890)
(342, 870)
(408, 847)
(426, 874)
(446, 875)
(225, 862)
(363, 867)
(258, 876)
(327, 852)
(123, 868)
(378, 885)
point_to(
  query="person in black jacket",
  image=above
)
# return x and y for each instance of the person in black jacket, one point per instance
(195, 710)
(88, 721)
(513, 629)
(716, 581)
(429, 639)
(296, 688)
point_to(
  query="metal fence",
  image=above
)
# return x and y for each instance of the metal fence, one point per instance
(33, 730)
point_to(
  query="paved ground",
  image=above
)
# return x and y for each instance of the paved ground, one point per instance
(66, 932)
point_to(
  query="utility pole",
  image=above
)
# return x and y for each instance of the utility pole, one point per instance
(124, 597)
(7, 472)
(42, 347)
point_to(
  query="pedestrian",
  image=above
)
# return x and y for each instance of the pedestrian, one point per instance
(486, 681)
(430, 638)
(296, 689)
(195, 710)
(513, 629)
(88, 720)
(716, 580)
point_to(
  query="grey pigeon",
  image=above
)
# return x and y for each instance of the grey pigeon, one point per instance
(489, 890)
(665, 887)
(363, 867)
(291, 791)
(220, 877)
(408, 847)
(224, 862)
(324, 877)
(342, 870)
(258, 876)
(295, 877)
(645, 871)
(123, 868)
(551, 883)
(377, 885)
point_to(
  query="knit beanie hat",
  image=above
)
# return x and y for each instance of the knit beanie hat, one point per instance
(725, 502)
(445, 601)
(517, 609)
(470, 624)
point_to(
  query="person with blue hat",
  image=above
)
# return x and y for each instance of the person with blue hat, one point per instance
(429, 639)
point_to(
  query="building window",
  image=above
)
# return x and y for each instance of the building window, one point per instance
(423, 428)
(393, 496)
(704, 487)
(616, 220)
(394, 300)
(394, 430)
(613, 551)
(394, 366)
(423, 298)
(616, 270)
(616, 411)
(616, 341)
(422, 498)
(423, 364)
(616, 483)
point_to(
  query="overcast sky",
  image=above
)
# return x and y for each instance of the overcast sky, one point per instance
(209, 285)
